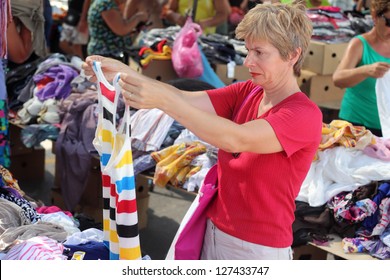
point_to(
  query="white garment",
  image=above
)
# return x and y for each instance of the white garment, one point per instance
(340, 169)
(149, 129)
(91, 234)
(60, 218)
(382, 89)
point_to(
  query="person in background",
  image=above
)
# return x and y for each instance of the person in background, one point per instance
(266, 151)
(109, 31)
(363, 6)
(367, 58)
(311, 3)
(209, 13)
(16, 46)
(74, 33)
(152, 7)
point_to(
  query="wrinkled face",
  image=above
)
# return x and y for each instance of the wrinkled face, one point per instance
(265, 64)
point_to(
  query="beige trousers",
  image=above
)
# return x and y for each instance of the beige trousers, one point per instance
(222, 246)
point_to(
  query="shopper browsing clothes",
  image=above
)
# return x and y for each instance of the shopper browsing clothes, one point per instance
(209, 14)
(109, 30)
(266, 152)
(367, 58)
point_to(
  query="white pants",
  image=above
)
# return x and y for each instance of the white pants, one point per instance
(222, 246)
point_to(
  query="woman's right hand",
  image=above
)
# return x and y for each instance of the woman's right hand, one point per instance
(110, 67)
(378, 69)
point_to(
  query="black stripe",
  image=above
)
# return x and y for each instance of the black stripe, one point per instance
(127, 231)
(112, 214)
(106, 203)
(107, 115)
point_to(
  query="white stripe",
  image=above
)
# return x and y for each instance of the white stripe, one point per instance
(127, 219)
(127, 195)
(132, 242)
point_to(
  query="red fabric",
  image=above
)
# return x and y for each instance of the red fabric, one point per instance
(256, 198)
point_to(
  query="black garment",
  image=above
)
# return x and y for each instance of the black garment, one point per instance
(235, 3)
(75, 7)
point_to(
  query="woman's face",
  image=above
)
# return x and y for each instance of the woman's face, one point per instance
(382, 25)
(265, 64)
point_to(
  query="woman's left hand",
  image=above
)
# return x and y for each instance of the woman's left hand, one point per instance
(142, 92)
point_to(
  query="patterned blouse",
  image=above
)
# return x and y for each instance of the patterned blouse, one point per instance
(102, 40)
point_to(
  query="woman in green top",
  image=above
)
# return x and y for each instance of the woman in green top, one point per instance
(311, 3)
(367, 58)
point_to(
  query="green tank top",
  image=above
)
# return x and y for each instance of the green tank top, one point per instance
(308, 3)
(359, 102)
(205, 9)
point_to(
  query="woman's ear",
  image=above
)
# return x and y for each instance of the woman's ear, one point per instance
(295, 56)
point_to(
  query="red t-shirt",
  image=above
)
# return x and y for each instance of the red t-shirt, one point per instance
(256, 197)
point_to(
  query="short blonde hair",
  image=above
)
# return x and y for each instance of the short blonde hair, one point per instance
(380, 7)
(286, 26)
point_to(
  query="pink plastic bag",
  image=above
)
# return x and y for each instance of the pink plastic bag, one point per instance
(190, 242)
(186, 57)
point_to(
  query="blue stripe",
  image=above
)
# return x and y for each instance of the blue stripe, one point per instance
(105, 158)
(126, 184)
(114, 256)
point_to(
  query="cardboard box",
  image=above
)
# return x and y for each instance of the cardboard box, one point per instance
(57, 199)
(142, 209)
(320, 88)
(161, 70)
(241, 73)
(29, 166)
(323, 58)
(143, 183)
(308, 252)
(16, 144)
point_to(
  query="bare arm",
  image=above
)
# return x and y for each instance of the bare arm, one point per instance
(131, 8)
(19, 43)
(83, 22)
(348, 74)
(172, 15)
(194, 110)
(121, 26)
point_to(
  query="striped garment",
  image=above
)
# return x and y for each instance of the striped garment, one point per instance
(37, 248)
(120, 217)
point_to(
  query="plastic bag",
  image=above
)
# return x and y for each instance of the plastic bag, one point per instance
(186, 57)
(382, 88)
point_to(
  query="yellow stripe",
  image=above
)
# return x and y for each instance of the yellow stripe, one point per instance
(114, 236)
(106, 135)
(106, 224)
(126, 159)
(130, 253)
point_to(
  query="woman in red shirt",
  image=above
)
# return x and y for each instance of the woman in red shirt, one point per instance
(266, 151)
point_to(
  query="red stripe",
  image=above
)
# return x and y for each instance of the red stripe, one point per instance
(106, 180)
(126, 206)
(110, 95)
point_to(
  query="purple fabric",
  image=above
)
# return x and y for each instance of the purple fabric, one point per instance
(60, 87)
(380, 150)
(383, 191)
